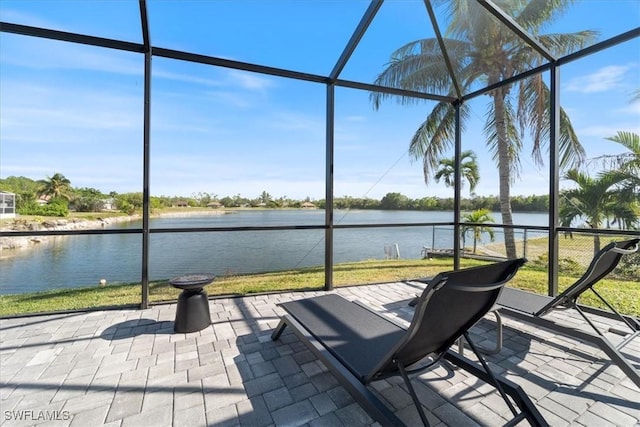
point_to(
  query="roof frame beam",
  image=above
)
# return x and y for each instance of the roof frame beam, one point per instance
(508, 81)
(362, 27)
(45, 33)
(605, 44)
(237, 65)
(393, 91)
(516, 28)
(204, 59)
(443, 48)
(144, 22)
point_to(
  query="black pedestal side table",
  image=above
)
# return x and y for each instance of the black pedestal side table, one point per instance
(192, 312)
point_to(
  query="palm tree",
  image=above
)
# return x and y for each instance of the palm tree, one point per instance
(481, 51)
(57, 186)
(478, 216)
(265, 197)
(468, 170)
(596, 201)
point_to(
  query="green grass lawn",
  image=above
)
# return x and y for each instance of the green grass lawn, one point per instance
(578, 248)
(624, 294)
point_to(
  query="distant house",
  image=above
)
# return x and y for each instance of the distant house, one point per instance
(7, 205)
(307, 205)
(44, 199)
(214, 205)
(182, 204)
(109, 204)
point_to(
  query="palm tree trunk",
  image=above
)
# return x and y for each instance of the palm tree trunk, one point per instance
(596, 244)
(504, 167)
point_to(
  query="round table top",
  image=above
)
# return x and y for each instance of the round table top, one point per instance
(191, 281)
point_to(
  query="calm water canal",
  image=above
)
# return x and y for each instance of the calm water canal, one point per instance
(75, 261)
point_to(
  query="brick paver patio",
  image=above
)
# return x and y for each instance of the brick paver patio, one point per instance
(128, 368)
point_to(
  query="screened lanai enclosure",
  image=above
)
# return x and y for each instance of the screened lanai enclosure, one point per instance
(252, 137)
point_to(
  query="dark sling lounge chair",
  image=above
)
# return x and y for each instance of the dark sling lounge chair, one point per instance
(531, 308)
(360, 346)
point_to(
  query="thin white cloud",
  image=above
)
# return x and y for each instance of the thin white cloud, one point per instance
(603, 131)
(12, 15)
(35, 53)
(160, 72)
(65, 114)
(603, 79)
(22, 170)
(229, 175)
(107, 172)
(631, 109)
(294, 121)
(228, 88)
(18, 51)
(350, 147)
(250, 81)
(232, 99)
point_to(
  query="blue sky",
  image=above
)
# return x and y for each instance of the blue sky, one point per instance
(77, 110)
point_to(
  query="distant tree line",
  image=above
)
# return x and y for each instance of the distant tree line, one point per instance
(54, 196)
(398, 201)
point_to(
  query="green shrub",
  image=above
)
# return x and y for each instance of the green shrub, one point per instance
(629, 266)
(565, 265)
(88, 204)
(126, 207)
(55, 207)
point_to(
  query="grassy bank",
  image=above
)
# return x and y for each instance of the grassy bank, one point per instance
(623, 293)
(577, 248)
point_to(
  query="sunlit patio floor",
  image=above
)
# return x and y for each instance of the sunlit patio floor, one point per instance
(128, 368)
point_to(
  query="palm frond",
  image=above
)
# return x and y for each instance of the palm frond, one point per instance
(629, 140)
(434, 137)
(418, 66)
(563, 44)
(533, 114)
(571, 151)
(511, 146)
(537, 13)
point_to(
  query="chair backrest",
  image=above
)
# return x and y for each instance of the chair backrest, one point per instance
(602, 264)
(450, 304)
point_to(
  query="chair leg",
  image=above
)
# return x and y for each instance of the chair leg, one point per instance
(601, 342)
(633, 325)
(460, 343)
(413, 394)
(497, 349)
(629, 337)
(488, 370)
(278, 330)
